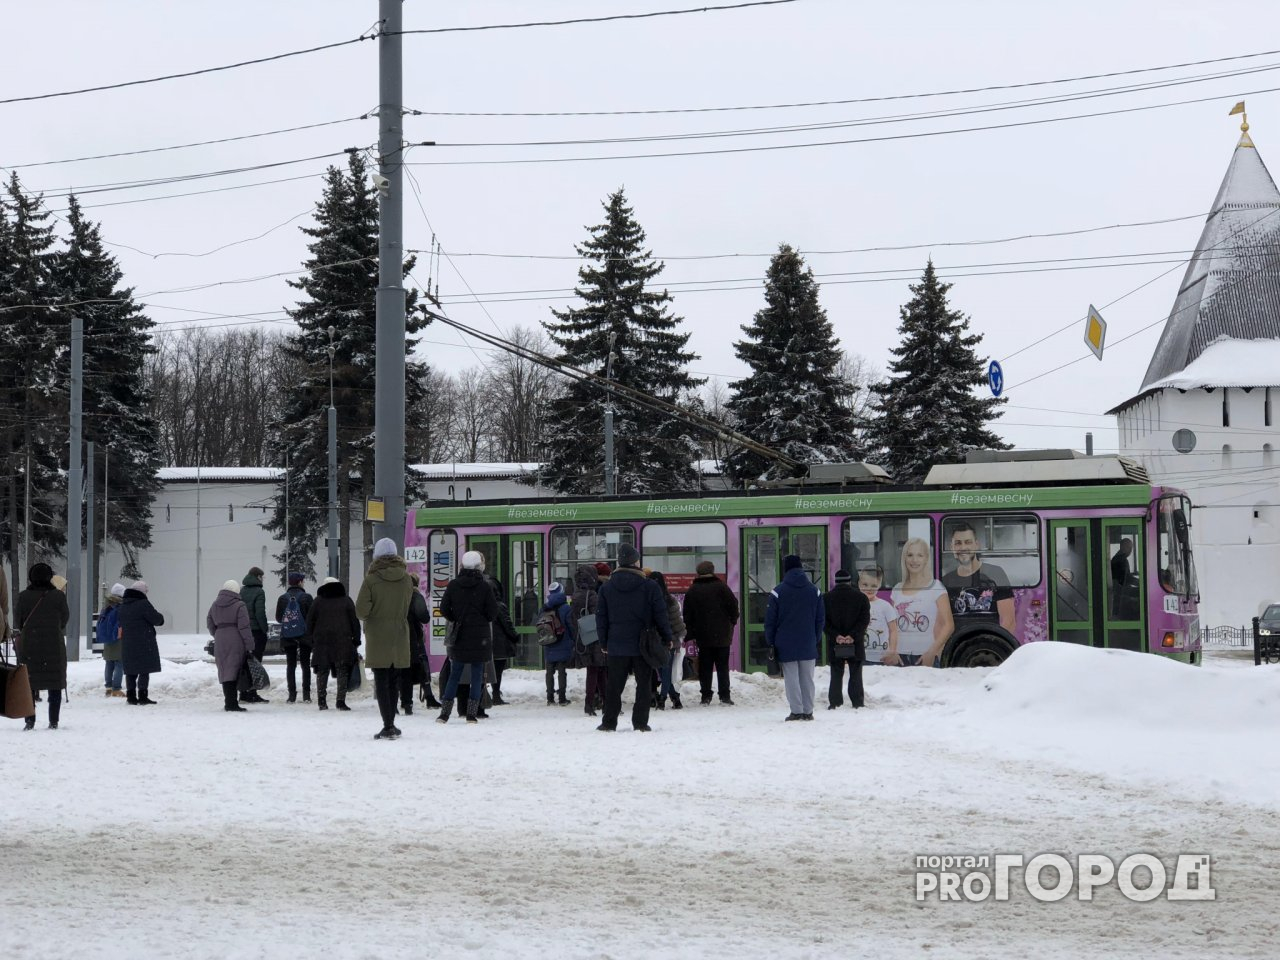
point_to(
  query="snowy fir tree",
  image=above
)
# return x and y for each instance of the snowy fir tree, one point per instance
(793, 398)
(116, 399)
(339, 287)
(34, 332)
(926, 411)
(652, 451)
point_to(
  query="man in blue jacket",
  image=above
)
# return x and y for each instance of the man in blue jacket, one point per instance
(793, 623)
(629, 604)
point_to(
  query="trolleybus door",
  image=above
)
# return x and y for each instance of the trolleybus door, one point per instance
(763, 549)
(516, 561)
(1125, 623)
(1073, 586)
(1098, 597)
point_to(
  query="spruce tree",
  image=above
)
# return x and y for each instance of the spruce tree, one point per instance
(652, 451)
(116, 400)
(338, 293)
(792, 400)
(927, 410)
(34, 330)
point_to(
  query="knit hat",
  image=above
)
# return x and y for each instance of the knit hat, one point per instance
(791, 562)
(844, 576)
(386, 547)
(472, 560)
(141, 587)
(40, 573)
(59, 581)
(117, 589)
(295, 578)
(232, 586)
(603, 570)
(553, 590)
(705, 568)
(328, 580)
(628, 556)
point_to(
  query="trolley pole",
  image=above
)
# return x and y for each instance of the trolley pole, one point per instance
(75, 493)
(388, 444)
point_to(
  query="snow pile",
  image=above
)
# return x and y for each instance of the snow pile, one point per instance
(1131, 716)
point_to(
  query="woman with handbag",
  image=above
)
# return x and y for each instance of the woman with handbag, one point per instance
(469, 604)
(41, 616)
(139, 650)
(586, 598)
(228, 622)
(847, 614)
(334, 630)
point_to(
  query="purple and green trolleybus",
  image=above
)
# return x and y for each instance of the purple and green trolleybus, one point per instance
(981, 557)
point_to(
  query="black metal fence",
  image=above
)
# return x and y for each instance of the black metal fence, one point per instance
(1238, 637)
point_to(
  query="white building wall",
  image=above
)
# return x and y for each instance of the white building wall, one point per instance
(1231, 476)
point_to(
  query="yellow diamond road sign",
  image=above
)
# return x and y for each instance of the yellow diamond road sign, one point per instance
(1095, 331)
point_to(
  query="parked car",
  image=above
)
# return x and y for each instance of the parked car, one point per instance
(1269, 622)
(273, 648)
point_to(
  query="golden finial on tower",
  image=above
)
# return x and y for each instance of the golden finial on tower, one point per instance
(1245, 141)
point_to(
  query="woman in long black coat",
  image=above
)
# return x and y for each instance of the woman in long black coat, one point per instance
(42, 616)
(140, 652)
(334, 630)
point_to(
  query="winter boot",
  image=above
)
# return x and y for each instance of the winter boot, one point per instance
(675, 702)
(446, 709)
(473, 711)
(387, 733)
(406, 708)
(660, 703)
(322, 699)
(429, 697)
(30, 724)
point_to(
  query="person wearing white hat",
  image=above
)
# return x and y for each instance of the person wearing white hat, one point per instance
(471, 608)
(228, 623)
(107, 633)
(383, 605)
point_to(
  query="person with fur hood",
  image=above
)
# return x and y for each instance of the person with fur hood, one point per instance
(586, 598)
(383, 604)
(334, 630)
(471, 608)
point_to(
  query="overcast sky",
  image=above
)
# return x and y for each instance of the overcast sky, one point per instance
(929, 191)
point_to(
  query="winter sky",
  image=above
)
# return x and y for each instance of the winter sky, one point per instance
(929, 191)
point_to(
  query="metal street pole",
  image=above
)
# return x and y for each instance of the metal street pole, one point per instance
(333, 469)
(610, 473)
(75, 493)
(91, 549)
(388, 444)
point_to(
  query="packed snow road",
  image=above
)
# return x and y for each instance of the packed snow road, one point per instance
(181, 831)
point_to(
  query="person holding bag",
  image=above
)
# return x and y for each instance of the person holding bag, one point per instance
(228, 622)
(139, 650)
(41, 615)
(468, 603)
(334, 630)
(848, 612)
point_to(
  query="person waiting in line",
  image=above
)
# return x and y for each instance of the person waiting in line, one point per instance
(846, 615)
(255, 601)
(140, 651)
(586, 601)
(334, 629)
(107, 633)
(793, 622)
(630, 604)
(710, 615)
(41, 614)
(383, 605)
(506, 642)
(470, 605)
(670, 675)
(558, 655)
(228, 623)
(419, 673)
(292, 608)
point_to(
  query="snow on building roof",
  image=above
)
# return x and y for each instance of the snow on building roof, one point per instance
(1229, 363)
(1232, 284)
(430, 471)
(211, 474)
(474, 471)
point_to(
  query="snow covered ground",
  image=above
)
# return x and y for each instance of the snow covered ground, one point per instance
(181, 831)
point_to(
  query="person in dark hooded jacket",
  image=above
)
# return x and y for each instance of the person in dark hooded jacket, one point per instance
(505, 639)
(139, 650)
(419, 671)
(630, 604)
(293, 637)
(586, 601)
(41, 615)
(255, 601)
(558, 655)
(334, 630)
(847, 613)
(710, 614)
(468, 604)
(793, 623)
(228, 622)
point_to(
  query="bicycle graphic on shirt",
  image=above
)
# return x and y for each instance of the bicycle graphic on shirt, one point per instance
(918, 621)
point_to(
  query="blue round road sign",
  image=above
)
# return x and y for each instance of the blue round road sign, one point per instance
(995, 377)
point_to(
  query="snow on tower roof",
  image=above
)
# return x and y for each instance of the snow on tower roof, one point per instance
(1232, 285)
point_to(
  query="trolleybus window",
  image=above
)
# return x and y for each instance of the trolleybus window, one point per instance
(573, 546)
(1177, 572)
(878, 542)
(677, 548)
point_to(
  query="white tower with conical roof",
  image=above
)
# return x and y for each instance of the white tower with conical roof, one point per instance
(1207, 418)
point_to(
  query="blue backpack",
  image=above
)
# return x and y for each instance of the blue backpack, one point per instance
(292, 626)
(108, 625)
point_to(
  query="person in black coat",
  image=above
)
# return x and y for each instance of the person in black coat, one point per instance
(334, 630)
(505, 638)
(41, 616)
(419, 670)
(629, 605)
(847, 614)
(710, 614)
(294, 639)
(140, 652)
(469, 604)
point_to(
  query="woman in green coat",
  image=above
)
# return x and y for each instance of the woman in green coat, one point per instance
(383, 605)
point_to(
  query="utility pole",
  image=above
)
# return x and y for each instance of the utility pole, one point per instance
(610, 473)
(75, 492)
(91, 549)
(286, 516)
(26, 517)
(388, 429)
(333, 469)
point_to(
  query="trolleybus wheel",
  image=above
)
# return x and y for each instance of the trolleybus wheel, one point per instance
(980, 650)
